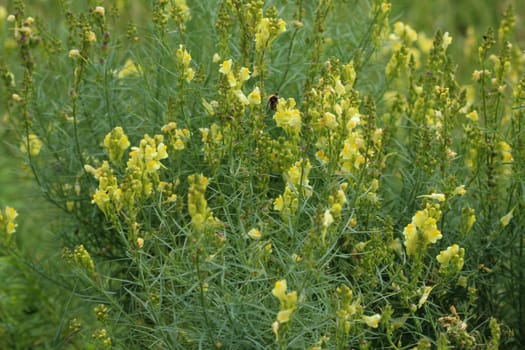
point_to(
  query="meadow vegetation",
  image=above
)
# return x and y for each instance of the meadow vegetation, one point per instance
(249, 174)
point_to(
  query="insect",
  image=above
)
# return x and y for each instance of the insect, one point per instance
(272, 101)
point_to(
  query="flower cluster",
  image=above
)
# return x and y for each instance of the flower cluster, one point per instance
(108, 195)
(129, 69)
(287, 305)
(201, 216)
(267, 30)
(235, 82)
(7, 222)
(451, 259)
(34, 144)
(422, 230)
(184, 59)
(116, 143)
(177, 138)
(102, 336)
(81, 257)
(288, 117)
(346, 309)
(140, 178)
(297, 186)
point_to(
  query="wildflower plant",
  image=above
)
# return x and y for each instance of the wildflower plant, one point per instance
(302, 175)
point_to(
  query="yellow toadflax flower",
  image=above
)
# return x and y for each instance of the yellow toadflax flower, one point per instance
(288, 117)
(35, 145)
(255, 234)
(372, 321)
(505, 220)
(287, 302)
(7, 221)
(116, 143)
(129, 69)
(254, 98)
(226, 67)
(422, 230)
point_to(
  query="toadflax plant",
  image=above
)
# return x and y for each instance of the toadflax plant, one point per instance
(248, 174)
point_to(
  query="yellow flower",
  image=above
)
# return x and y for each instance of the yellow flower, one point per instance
(288, 117)
(453, 255)
(100, 11)
(231, 80)
(242, 97)
(279, 291)
(91, 37)
(329, 120)
(447, 40)
(244, 74)
(9, 220)
(116, 143)
(445, 256)
(460, 190)
(424, 296)
(372, 321)
(140, 242)
(436, 196)
(226, 67)
(254, 98)
(129, 69)
(73, 53)
(255, 234)
(183, 56)
(328, 219)
(284, 315)
(505, 220)
(35, 145)
(473, 116)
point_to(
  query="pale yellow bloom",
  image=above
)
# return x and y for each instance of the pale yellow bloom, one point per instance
(438, 196)
(244, 74)
(372, 321)
(73, 53)
(129, 69)
(424, 296)
(288, 117)
(35, 145)
(447, 40)
(473, 116)
(226, 67)
(460, 190)
(254, 98)
(329, 120)
(255, 234)
(279, 290)
(328, 219)
(445, 256)
(284, 315)
(505, 220)
(242, 97)
(91, 37)
(100, 11)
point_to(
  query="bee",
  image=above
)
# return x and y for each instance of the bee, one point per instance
(272, 101)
